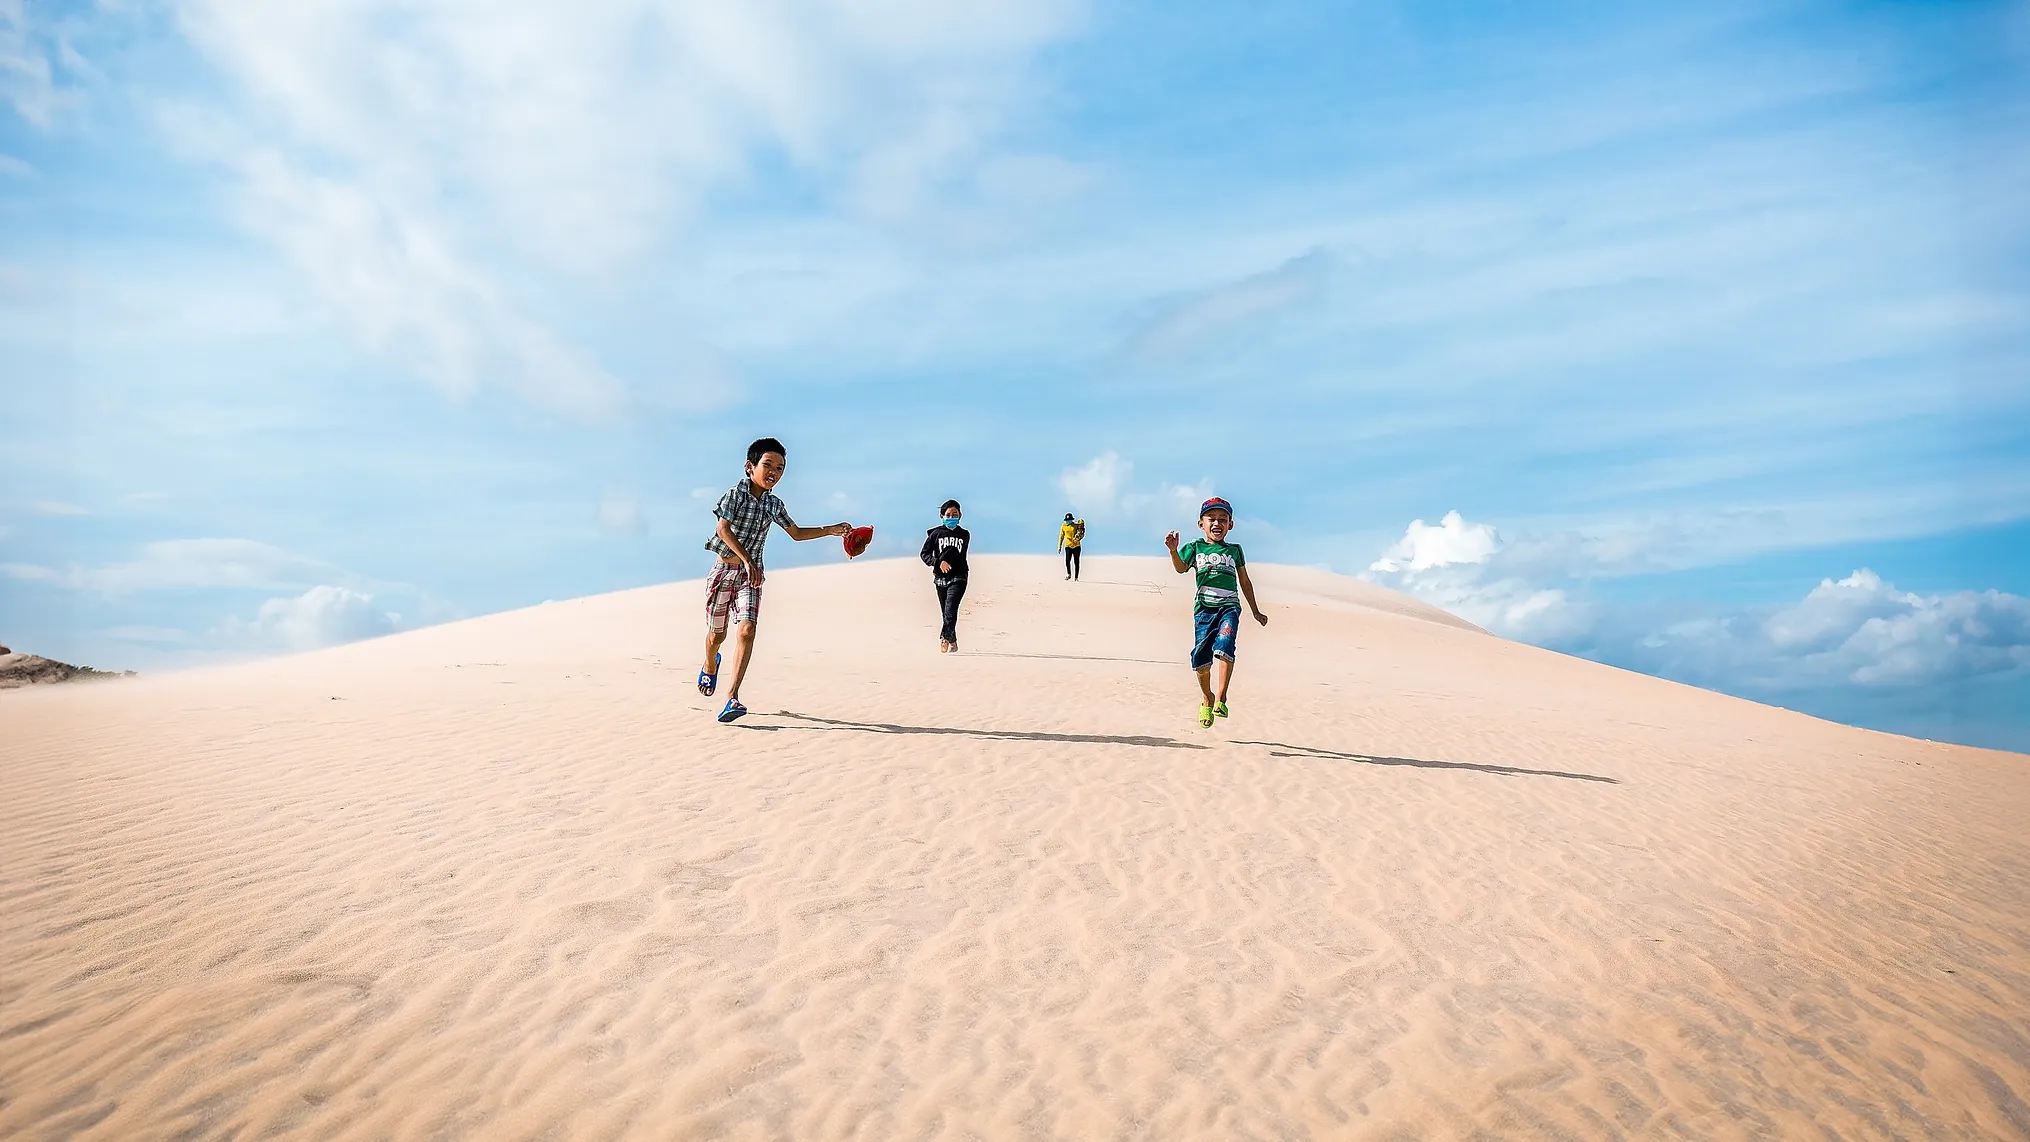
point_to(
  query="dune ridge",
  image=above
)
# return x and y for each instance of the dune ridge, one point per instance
(506, 879)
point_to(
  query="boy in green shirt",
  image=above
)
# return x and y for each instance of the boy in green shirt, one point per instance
(1222, 582)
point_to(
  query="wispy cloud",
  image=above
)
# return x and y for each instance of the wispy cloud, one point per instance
(620, 513)
(32, 573)
(148, 635)
(56, 508)
(382, 147)
(33, 56)
(1188, 320)
(394, 277)
(187, 564)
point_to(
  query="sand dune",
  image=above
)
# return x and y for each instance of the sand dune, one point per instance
(505, 879)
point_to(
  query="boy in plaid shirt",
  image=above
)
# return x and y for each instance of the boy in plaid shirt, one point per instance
(733, 589)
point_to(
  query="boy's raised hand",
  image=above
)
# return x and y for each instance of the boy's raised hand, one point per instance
(1170, 541)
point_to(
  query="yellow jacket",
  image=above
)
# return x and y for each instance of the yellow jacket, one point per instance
(1070, 534)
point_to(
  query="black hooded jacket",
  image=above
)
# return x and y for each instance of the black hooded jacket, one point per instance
(943, 544)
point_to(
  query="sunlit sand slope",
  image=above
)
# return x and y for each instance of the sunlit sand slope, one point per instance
(506, 879)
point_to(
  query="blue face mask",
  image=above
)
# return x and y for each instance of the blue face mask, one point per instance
(951, 521)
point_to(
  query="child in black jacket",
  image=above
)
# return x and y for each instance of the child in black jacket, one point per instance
(944, 552)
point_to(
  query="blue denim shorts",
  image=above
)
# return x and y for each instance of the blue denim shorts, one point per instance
(1215, 632)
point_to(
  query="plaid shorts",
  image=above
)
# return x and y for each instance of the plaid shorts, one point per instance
(727, 592)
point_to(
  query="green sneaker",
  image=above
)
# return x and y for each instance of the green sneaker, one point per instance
(1220, 710)
(1205, 717)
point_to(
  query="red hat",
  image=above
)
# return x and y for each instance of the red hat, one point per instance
(857, 540)
(1215, 503)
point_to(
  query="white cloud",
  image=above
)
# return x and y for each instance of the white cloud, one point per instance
(1833, 611)
(621, 513)
(419, 162)
(324, 615)
(1452, 541)
(56, 508)
(15, 168)
(1557, 549)
(1102, 489)
(1094, 488)
(1863, 630)
(1455, 565)
(1856, 631)
(1191, 319)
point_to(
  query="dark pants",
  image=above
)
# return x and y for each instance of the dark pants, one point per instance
(949, 592)
(1071, 561)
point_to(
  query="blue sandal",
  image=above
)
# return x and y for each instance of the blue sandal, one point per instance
(707, 683)
(733, 710)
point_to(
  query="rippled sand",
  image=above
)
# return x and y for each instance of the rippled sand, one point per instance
(506, 879)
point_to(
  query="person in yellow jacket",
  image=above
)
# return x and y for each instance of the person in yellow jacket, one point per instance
(1070, 537)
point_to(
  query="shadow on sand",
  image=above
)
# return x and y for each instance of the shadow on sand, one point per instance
(1278, 749)
(1071, 657)
(817, 723)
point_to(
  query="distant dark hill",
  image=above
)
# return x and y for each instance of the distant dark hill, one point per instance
(30, 669)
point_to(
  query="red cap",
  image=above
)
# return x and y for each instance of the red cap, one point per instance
(857, 540)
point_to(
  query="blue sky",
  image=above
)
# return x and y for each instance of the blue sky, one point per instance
(1710, 323)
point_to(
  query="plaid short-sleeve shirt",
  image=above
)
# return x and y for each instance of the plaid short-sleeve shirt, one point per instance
(748, 517)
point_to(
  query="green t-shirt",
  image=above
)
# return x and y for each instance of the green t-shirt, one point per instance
(1219, 566)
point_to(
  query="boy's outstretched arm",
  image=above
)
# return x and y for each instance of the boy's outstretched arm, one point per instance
(1248, 592)
(802, 533)
(1176, 560)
